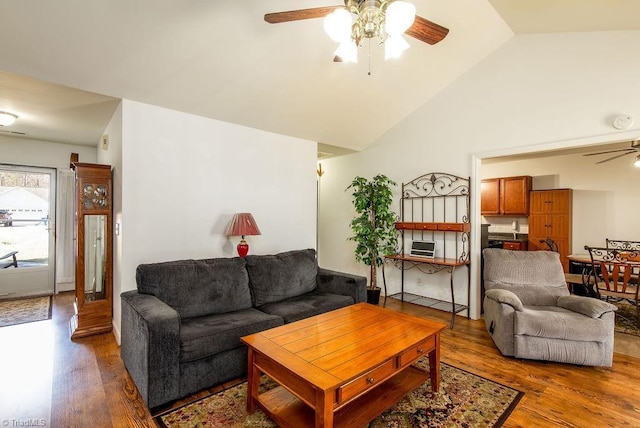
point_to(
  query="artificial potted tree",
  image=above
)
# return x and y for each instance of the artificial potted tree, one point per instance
(374, 226)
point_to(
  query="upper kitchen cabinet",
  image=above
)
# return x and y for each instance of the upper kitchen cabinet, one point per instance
(505, 196)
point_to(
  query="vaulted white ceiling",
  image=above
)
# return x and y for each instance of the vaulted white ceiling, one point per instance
(67, 63)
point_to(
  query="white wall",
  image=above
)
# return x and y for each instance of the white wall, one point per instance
(184, 176)
(542, 91)
(23, 151)
(113, 156)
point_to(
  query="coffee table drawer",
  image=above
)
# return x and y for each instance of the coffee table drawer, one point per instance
(415, 352)
(365, 381)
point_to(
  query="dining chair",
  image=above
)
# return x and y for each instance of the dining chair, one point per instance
(9, 260)
(616, 274)
(582, 279)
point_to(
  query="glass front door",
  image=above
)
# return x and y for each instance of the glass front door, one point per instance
(27, 225)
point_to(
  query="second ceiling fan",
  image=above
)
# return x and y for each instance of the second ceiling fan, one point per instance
(635, 148)
(386, 20)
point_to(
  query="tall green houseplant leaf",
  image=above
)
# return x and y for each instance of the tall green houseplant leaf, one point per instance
(374, 225)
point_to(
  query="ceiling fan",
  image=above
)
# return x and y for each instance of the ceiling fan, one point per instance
(373, 18)
(635, 148)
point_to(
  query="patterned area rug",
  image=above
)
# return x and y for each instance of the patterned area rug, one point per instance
(20, 311)
(464, 400)
(626, 319)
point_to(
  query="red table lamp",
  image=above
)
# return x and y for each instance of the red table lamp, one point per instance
(242, 224)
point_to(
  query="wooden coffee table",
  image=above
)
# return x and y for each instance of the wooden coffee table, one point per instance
(342, 368)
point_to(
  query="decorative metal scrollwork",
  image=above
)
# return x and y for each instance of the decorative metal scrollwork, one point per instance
(422, 267)
(436, 184)
(613, 255)
(464, 255)
(95, 196)
(623, 245)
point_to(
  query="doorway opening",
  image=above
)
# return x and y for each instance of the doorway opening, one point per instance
(27, 224)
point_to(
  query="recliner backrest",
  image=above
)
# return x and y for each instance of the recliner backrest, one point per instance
(536, 277)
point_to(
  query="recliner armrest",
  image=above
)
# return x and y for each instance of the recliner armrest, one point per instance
(150, 346)
(342, 283)
(588, 306)
(506, 297)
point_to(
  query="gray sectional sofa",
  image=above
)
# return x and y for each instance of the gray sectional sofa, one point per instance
(181, 328)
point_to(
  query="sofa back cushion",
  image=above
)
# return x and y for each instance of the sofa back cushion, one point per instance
(277, 277)
(197, 287)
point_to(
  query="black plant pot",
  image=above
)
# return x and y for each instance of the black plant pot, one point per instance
(373, 295)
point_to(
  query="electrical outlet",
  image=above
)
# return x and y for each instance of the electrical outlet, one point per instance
(105, 142)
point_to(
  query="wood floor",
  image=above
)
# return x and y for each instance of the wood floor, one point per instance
(90, 386)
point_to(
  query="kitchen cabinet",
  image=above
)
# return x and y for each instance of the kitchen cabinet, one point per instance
(550, 217)
(505, 196)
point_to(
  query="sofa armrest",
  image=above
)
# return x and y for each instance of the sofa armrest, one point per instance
(588, 306)
(342, 283)
(506, 297)
(150, 346)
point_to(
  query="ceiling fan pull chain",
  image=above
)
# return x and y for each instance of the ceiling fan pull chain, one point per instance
(369, 58)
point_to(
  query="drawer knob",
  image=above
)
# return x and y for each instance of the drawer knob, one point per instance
(420, 350)
(370, 380)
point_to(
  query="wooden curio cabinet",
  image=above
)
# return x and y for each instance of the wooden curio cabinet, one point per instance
(93, 250)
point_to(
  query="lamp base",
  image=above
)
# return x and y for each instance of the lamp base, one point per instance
(243, 248)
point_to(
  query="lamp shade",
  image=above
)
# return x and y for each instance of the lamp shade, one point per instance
(347, 51)
(394, 46)
(400, 16)
(242, 224)
(338, 25)
(7, 119)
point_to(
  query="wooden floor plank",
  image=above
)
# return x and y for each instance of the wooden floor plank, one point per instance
(91, 387)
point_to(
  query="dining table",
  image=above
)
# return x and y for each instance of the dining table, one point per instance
(580, 278)
(583, 269)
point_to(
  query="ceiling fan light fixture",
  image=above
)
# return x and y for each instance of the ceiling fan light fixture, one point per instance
(394, 46)
(7, 119)
(337, 25)
(347, 51)
(636, 163)
(399, 17)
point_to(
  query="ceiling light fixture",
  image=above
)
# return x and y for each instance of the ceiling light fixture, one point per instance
(7, 119)
(385, 20)
(636, 163)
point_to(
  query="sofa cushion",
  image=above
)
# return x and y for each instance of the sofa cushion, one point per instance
(553, 322)
(211, 334)
(307, 305)
(273, 278)
(197, 287)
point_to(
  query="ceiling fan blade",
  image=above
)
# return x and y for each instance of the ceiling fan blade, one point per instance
(297, 15)
(615, 157)
(611, 151)
(427, 31)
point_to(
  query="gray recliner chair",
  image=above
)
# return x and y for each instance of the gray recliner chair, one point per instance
(530, 313)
